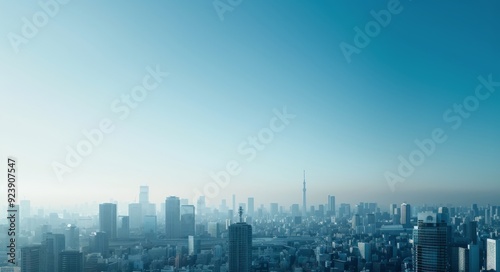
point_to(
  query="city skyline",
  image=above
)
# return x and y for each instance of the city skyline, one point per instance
(137, 209)
(126, 203)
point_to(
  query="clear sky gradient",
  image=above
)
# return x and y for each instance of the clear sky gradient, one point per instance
(353, 119)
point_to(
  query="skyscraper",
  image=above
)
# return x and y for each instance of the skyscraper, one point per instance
(240, 246)
(492, 255)
(144, 194)
(396, 217)
(392, 207)
(123, 231)
(431, 247)
(214, 229)
(72, 236)
(99, 243)
(365, 250)
(107, 219)
(330, 209)
(52, 245)
(149, 226)
(474, 210)
(135, 215)
(70, 261)
(468, 258)
(187, 220)
(172, 217)
(251, 206)
(273, 209)
(471, 232)
(304, 203)
(444, 214)
(406, 215)
(31, 257)
(201, 205)
(193, 245)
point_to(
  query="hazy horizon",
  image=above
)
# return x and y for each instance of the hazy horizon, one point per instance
(169, 93)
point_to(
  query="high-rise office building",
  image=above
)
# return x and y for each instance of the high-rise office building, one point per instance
(471, 232)
(487, 217)
(144, 194)
(493, 254)
(31, 258)
(52, 245)
(70, 261)
(135, 215)
(223, 206)
(370, 219)
(107, 219)
(187, 220)
(201, 205)
(214, 229)
(468, 259)
(356, 221)
(123, 231)
(321, 210)
(396, 217)
(330, 209)
(193, 245)
(474, 210)
(365, 250)
(172, 217)
(431, 244)
(240, 246)
(392, 207)
(99, 243)
(149, 225)
(251, 207)
(72, 236)
(295, 210)
(274, 209)
(406, 215)
(444, 214)
(345, 210)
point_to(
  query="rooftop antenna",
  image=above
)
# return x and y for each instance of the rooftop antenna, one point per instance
(240, 212)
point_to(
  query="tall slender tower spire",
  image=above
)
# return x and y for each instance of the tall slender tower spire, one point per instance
(304, 206)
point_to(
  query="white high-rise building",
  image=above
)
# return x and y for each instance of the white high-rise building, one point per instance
(406, 215)
(492, 255)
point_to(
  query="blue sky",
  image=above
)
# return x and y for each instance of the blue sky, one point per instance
(225, 79)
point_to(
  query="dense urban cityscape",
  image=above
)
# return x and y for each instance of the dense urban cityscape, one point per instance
(178, 236)
(175, 136)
